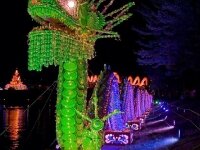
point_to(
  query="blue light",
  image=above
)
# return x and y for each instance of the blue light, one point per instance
(179, 133)
(115, 122)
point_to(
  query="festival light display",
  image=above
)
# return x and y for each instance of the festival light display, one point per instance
(116, 122)
(16, 82)
(93, 134)
(66, 38)
(136, 102)
(115, 131)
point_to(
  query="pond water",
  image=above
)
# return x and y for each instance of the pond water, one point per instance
(28, 126)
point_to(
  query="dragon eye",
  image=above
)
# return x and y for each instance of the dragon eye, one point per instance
(70, 6)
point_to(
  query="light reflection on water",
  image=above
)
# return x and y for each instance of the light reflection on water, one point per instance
(27, 128)
(27, 125)
(14, 124)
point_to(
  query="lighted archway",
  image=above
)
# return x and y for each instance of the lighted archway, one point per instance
(144, 82)
(92, 79)
(136, 81)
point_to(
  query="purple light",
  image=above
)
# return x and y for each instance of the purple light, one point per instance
(128, 102)
(137, 103)
(174, 122)
(162, 129)
(57, 146)
(115, 122)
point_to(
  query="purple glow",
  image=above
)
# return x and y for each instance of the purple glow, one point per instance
(57, 146)
(156, 121)
(137, 103)
(116, 122)
(142, 102)
(128, 102)
(162, 129)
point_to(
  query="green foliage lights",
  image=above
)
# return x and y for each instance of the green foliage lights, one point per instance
(48, 47)
(92, 139)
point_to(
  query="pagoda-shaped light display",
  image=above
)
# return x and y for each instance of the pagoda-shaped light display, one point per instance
(16, 83)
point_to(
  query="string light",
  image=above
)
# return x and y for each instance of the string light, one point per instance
(128, 102)
(116, 122)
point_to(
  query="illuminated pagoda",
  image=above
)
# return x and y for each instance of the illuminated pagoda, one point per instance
(16, 83)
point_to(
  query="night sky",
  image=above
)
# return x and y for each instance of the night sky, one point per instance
(16, 25)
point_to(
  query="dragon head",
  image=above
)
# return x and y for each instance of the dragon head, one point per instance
(70, 28)
(82, 16)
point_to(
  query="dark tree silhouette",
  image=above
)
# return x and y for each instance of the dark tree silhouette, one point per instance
(168, 42)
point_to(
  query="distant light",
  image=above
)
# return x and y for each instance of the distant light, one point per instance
(179, 133)
(169, 141)
(174, 122)
(71, 3)
(166, 110)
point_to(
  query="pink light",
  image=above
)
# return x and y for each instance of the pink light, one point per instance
(57, 146)
(163, 129)
(157, 121)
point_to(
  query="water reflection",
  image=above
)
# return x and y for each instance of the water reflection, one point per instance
(14, 123)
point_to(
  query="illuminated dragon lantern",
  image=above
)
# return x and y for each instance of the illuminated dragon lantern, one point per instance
(66, 38)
